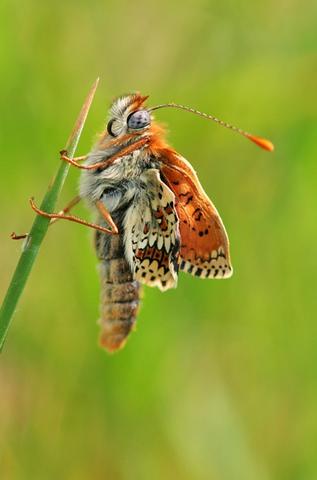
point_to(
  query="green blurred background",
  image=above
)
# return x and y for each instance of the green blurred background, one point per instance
(220, 379)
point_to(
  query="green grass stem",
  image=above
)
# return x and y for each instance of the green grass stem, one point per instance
(40, 225)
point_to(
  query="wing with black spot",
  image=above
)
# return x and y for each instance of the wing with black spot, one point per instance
(204, 243)
(152, 233)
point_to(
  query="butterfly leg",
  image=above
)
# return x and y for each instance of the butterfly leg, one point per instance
(125, 151)
(106, 215)
(71, 218)
(73, 161)
(14, 236)
(66, 209)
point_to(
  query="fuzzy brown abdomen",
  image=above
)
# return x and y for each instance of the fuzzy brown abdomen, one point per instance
(120, 294)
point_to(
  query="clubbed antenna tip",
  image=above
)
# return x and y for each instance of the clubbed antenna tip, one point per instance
(261, 142)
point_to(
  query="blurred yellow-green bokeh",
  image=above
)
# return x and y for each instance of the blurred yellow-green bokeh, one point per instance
(219, 381)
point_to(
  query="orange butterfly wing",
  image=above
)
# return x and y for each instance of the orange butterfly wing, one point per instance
(204, 243)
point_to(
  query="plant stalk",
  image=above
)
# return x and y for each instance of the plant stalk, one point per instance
(40, 225)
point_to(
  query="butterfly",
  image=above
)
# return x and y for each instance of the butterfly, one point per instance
(153, 217)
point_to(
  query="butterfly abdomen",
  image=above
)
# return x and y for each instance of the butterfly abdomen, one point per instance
(120, 294)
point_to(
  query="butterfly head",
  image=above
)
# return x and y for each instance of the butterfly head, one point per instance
(128, 115)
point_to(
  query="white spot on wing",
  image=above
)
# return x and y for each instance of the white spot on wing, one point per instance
(140, 217)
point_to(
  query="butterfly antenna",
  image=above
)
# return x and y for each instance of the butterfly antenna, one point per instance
(261, 142)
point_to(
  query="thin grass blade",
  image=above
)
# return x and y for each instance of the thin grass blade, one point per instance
(40, 225)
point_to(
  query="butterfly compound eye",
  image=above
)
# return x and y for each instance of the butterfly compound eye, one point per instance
(138, 120)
